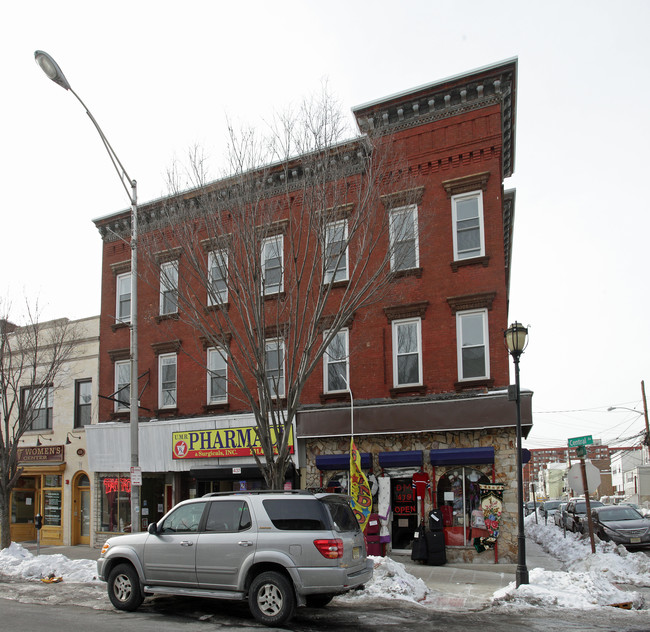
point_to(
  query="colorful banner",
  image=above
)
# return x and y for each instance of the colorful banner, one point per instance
(359, 488)
(491, 506)
(224, 442)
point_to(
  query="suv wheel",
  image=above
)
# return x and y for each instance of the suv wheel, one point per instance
(271, 599)
(124, 588)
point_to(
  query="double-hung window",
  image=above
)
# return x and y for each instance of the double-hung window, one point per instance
(83, 403)
(467, 211)
(122, 385)
(217, 376)
(336, 364)
(404, 241)
(39, 402)
(217, 277)
(336, 252)
(123, 298)
(169, 287)
(272, 264)
(274, 352)
(407, 352)
(472, 335)
(167, 380)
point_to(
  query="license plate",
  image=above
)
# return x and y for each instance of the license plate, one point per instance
(635, 540)
(356, 552)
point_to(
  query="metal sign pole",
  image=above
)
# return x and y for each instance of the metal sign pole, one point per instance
(590, 522)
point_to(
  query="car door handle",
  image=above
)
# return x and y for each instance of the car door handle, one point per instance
(245, 543)
(187, 543)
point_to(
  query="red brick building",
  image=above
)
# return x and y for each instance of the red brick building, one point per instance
(427, 364)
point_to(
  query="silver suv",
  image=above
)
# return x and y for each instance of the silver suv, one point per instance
(276, 549)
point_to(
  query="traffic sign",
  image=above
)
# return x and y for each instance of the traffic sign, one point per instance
(581, 451)
(576, 441)
(136, 475)
(574, 478)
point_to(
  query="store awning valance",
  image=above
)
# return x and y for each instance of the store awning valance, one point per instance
(341, 461)
(400, 459)
(462, 456)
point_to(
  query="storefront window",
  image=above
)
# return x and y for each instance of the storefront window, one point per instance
(115, 502)
(459, 498)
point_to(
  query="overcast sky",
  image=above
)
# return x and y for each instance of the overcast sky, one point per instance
(162, 76)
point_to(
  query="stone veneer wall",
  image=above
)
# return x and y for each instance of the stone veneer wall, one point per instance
(505, 472)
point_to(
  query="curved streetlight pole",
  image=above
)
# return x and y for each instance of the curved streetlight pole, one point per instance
(54, 72)
(516, 340)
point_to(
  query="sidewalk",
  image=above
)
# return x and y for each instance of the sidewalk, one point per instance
(453, 586)
(471, 586)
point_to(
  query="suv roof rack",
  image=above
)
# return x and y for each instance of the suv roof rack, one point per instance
(301, 492)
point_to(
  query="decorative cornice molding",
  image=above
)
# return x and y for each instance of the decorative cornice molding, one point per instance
(480, 300)
(168, 346)
(216, 341)
(403, 198)
(172, 254)
(221, 242)
(473, 182)
(121, 267)
(412, 310)
(274, 228)
(119, 354)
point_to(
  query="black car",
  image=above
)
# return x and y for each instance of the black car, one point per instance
(575, 515)
(621, 524)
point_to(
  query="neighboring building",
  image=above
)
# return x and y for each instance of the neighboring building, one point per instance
(553, 480)
(447, 417)
(56, 481)
(624, 460)
(637, 485)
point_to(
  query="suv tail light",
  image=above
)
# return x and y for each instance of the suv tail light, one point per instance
(331, 549)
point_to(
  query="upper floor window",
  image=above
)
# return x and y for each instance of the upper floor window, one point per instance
(39, 401)
(83, 402)
(123, 298)
(167, 380)
(336, 364)
(467, 211)
(407, 352)
(404, 240)
(275, 367)
(217, 376)
(217, 277)
(169, 287)
(272, 264)
(472, 334)
(122, 394)
(336, 253)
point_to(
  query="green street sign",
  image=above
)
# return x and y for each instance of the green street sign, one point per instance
(576, 441)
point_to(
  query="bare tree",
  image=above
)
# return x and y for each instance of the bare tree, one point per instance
(32, 363)
(276, 258)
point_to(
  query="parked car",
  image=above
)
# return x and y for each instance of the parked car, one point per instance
(529, 507)
(621, 524)
(278, 550)
(548, 508)
(575, 515)
(558, 515)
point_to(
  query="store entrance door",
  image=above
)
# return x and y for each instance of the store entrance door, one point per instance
(405, 517)
(81, 510)
(25, 501)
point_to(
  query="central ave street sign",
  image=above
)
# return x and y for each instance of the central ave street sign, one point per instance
(576, 441)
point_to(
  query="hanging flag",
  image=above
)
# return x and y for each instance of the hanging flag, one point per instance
(359, 488)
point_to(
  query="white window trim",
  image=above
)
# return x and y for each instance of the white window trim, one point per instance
(395, 326)
(459, 344)
(326, 363)
(265, 244)
(118, 295)
(454, 200)
(118, 406)
(328, 276)
(416, 233)
(223, 296)
(275, 343)
(167, 285)
(161, 361)
(220, 352)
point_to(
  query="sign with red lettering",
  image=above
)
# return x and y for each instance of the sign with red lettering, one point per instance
(403, 498)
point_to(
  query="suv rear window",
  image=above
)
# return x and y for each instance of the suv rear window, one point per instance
(296, 514)
(342, 515)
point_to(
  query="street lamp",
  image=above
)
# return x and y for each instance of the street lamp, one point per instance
(52, 70)
(516, 338)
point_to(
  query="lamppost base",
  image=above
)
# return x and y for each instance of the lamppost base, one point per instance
(521, 575)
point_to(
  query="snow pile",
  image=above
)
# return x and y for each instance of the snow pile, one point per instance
(590, 582)
(390, 580)
(19, 563)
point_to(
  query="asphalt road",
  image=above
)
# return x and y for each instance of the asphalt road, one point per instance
(194, 615)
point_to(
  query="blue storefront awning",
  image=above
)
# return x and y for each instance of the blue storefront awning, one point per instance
(341, 461)
(462, 456)
(400, 459)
